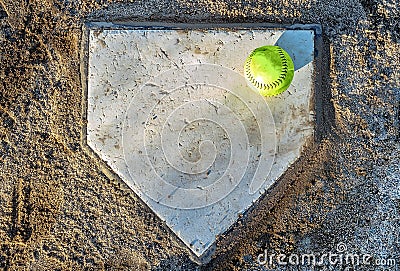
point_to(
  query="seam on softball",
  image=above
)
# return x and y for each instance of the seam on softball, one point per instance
(274, 84)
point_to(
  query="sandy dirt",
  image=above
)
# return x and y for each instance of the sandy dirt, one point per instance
(58, 211)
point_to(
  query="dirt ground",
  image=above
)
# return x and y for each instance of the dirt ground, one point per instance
(58, 211)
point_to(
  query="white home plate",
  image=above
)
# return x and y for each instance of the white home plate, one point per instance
(169, 111)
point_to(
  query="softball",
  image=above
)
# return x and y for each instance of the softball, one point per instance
(269, 70)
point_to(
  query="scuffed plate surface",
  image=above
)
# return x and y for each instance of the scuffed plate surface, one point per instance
(170, 113)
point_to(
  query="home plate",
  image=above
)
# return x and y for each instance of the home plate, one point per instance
(168, 110)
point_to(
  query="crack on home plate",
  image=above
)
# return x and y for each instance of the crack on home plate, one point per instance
(195, 143)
